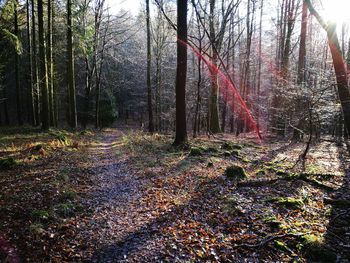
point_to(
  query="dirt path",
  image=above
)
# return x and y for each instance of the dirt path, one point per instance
(119, 228)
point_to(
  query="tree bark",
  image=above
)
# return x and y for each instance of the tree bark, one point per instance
(149, 88)
(214, 122)
(70, 68)
(18, 88)
(50, 61)
(43, 70)
(301, 68)
(259, 66)
(35, 70)
(181, 70)
(30, 68)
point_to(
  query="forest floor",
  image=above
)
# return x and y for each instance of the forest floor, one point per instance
(125, 196)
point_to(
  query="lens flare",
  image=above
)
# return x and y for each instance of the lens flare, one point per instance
(228, 85)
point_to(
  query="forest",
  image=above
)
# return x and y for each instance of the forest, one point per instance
(174, 131)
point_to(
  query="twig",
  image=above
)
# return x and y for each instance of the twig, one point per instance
(269, 239)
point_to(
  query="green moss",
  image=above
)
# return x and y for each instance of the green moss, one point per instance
(228, 146)
(235, 172)
(314, 248)
(289, 202)
(235, 152)
(212, 149)
(196, 151)
(282, 173)
(227, 154)
(273, 222)
(245, 160)
(281, 245)
(7, 163)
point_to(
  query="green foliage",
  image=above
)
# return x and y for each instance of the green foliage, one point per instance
(40, 215)
(61, 136)
(66, 210)
(7, 163)
(235, 172)
(13, 40)
(68, 195)
(108, 112)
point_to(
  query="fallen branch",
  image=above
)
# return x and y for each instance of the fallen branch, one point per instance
(269, 239)
(317, 183)
(289, 177)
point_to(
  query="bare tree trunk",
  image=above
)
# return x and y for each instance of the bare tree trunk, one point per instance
(35, 70)
(214, 91)
(149, 88)
(181, 69)
(301, 68)
(18, 89)
(43, 69)
(259, 66)
(50, 61)
(30, 68)
(199, 83)
(302, 48)
(70, 69)
(99, 67)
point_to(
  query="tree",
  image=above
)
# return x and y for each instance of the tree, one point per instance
(36, 90)
(17, 53)
(149, 88)
(181, 70)
(30, 80)
(50, 74)
(216, 41)
(338, 62)
(70, 69)
(99, 62)
(45, 117)
(301, 68)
